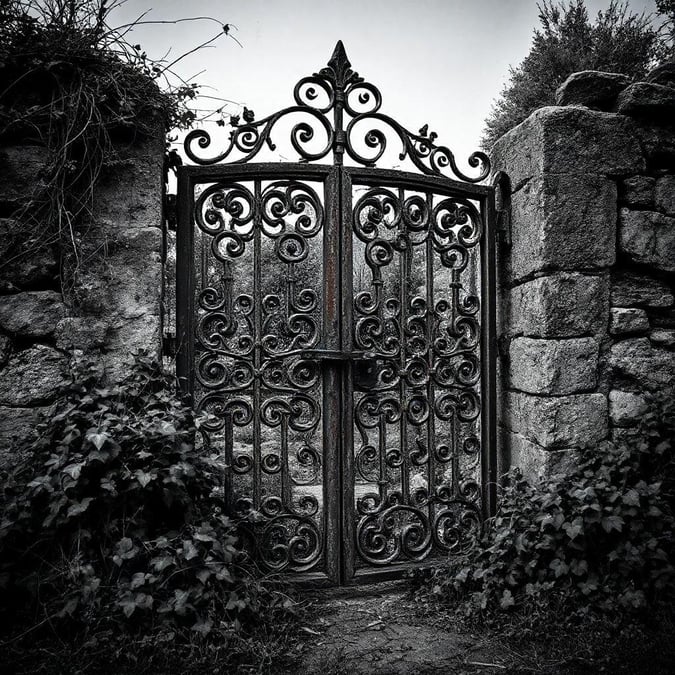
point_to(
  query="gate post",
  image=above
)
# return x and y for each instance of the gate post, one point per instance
(554, 285)
(586, 319)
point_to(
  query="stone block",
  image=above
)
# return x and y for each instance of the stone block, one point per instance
(558, 422)
(635, 364)
(657, 141)
(569, 140)
(534, 461)
(20, 171)
(563, 222)
(31, 314)
(663, 337)
(127, 281)
(663, 74)
(637, 290)
(625, 408)
(129, 192)
(557, 367)
(563, 304)
(591, 88)
(34, 270)
(18, 428)
(85, 334)
(648, 237)
(32, 377)
(647, 99)
(624, 320)
(125, 338)
(664, 198)
(637, 190)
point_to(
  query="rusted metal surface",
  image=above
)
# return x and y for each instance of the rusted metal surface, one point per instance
(338, 323)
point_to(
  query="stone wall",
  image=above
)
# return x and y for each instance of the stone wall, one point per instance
(587, 313)
(113, 307)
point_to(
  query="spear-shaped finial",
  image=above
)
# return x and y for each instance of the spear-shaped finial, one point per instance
(339, 61)
(339, 70)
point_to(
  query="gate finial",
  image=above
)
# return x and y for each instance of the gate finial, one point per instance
(339, 70)
(339, 60)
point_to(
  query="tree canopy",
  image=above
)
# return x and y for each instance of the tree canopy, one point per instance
(566, 42)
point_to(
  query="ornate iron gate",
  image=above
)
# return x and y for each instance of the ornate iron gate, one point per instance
(338, 322)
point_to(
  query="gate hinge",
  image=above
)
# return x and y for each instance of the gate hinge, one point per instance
(502, 185)
(504, 227)
(169, 344)
(170, 211)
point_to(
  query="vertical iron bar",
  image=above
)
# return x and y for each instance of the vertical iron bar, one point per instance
(431, 395)
(403, 299)
(185, 264)
(431, 320)
(257, 350)
(332, 485)
(347, 447)
(489, 356)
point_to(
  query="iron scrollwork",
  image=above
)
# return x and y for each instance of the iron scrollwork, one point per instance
(405, 359)
(248, 370)
(340, 113)
(426, 499)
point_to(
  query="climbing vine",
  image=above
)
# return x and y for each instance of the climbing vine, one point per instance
(73, 83)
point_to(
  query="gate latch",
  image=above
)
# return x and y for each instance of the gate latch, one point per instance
(364, 364)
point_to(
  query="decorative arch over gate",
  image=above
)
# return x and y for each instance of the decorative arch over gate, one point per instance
(337, 321)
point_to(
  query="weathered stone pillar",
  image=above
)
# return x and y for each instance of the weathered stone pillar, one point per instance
(110, 306)
(585, 220)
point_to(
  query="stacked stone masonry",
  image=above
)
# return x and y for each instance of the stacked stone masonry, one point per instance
(586, 302)
(112, 307)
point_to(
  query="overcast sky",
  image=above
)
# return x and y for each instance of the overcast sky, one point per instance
(440, 62)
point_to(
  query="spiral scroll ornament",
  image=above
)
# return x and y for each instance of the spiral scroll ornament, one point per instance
(417, 449)
(336, 111)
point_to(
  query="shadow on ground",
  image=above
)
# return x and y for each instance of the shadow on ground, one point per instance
(383, 632)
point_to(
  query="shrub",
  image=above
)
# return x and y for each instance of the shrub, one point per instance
(568, 41)
(599, 537)
(115, 519)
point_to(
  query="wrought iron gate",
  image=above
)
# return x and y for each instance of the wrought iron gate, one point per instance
(338, 322)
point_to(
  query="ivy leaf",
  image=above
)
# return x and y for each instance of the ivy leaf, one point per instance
(161, 563)
(559, 567)
(97, 439)
(143, 477)
(507, 600)
(189, 550)
(587, 587)
(224, 575)
(180, 605)
(203, 626)
(631, 498)
(74, 470)
(137, 580)
(128, 605)
(610, 523)
(203, 575)
(574, 529)
(79, 507)
(167, 429)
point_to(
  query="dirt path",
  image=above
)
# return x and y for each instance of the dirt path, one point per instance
(381, 631)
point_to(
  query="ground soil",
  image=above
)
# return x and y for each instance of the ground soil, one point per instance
(383, 630)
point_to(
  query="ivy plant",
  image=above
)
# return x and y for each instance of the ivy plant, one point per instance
(596, 538)
(115, 515)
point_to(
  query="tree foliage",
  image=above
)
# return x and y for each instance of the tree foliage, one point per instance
(567, 41)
